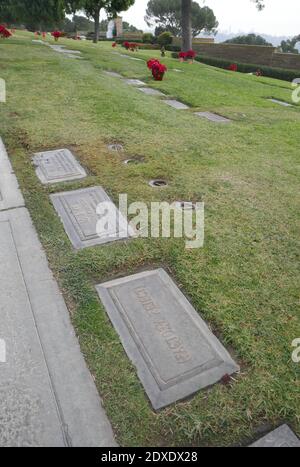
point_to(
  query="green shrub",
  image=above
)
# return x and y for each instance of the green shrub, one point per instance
(149, 46)
(173, 48)
(270, 72)
(148, 38)
(165, 39)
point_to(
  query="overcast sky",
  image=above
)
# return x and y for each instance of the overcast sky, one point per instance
(280, 17)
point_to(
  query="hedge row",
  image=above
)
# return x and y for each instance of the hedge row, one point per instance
(278, 73)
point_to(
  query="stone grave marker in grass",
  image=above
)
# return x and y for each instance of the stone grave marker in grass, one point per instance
(57, 166)
(113, 74)
(277, 101)
(173, 349)
(176, 104)
(151, 92)
(78, 213)
(134, 82)
(213, 117)
(282, 437)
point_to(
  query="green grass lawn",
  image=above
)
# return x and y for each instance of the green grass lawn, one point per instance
(244, 282)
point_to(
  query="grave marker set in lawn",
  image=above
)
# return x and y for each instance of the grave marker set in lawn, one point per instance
(173, 349)
(176, 104)
(282, 437)
(277, 101)
(213, 117)
(57, 166)
(135, 82)
(78, 213)
(152, 92)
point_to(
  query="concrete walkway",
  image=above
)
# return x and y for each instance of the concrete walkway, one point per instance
(47, 395)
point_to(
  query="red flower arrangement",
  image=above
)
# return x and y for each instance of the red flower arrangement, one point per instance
(130, 46)
(189, 55)
(258, 72)
(233, 67)
(5, 33)
(56, 35)
(114, 45)
(157, 68)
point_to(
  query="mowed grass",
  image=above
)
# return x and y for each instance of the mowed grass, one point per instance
(244, 282)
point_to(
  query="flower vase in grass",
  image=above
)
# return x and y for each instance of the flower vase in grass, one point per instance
(190, 55)
(182, 56)
(157, 68)
(4, 33)
(56, 35)
(114, 45)
(233, 67)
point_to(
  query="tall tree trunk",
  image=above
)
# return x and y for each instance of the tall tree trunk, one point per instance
(186, 15)
(97, 26)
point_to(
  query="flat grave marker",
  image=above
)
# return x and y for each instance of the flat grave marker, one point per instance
(113, 74)
(77, 211)
(57, 166)
(135, 82)
(277, 101)
(213, 117)
(176, 104)
(282, 437)
(173, 349)
(151, 92)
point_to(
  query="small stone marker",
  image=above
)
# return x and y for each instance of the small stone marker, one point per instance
(173, 349)
(151, 92)
(135, 82)
(57, 166)
(78, 212)
(176, 104)
(113, 74)
(213, 117)
(284, 104)
(282, 437)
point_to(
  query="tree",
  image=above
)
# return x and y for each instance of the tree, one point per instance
(40, 14)
(35, 14)
(167, 15)
(186, 9)
(92, 9)
(8, 12)
(289, 46)
(249, 39)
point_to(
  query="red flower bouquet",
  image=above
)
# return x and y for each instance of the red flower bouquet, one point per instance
(126, 45)
(114, 45)
(4, 33)
(56, 35)
(233, 67)
(182, 56)
(157, 68)
(152, 62)
(191, 54)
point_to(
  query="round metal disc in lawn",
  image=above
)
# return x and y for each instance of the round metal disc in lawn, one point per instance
(132, 161)
(116, 147)
(158, 183)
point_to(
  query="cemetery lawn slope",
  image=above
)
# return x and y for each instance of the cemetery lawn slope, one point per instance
(244, 282)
